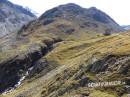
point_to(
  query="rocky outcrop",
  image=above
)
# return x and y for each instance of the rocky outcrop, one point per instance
(111, 64)
(13, 17)
(12, 70)
(79, 77)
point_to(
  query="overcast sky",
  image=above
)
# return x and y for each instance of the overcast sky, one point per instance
(117, 9)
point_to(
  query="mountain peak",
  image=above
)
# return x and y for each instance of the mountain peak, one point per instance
(76, 18)
(58, 11)
(72, 10)
(70, 5)
(93, 8)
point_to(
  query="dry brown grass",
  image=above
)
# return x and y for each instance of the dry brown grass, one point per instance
(72, 53)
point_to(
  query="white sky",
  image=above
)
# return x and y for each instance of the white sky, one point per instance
(117, 9)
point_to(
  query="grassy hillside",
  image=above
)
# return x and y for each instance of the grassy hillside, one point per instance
(72, 72)
(63, 51)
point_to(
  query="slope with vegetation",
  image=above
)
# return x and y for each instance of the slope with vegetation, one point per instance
(64, 50)
(66, 70)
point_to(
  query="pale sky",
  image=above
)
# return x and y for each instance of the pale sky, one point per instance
(117, 9)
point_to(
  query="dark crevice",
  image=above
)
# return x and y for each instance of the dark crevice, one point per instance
(12, 70)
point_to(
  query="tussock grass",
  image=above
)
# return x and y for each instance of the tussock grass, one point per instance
(70, 54)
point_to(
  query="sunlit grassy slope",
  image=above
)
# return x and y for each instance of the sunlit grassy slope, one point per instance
(71, 55)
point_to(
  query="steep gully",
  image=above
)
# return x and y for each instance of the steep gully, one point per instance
(14, 71)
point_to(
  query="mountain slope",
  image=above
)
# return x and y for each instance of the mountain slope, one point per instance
(12, 17)
(72, 20)
(67, 69)
(62, 51)
(127, 27)
(88, 17)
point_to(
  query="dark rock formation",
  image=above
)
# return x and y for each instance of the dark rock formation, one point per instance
(13, 69)
(13, 17)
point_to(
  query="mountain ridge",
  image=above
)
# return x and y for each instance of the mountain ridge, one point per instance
(76, 9)
(13, 17)
(90, 19)
(126, 27)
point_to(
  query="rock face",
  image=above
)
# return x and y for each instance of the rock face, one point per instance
(13, 17)
(17, 67)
